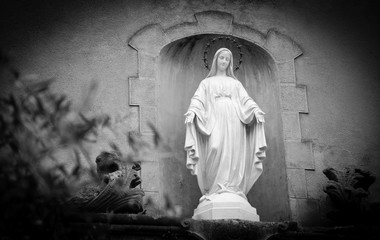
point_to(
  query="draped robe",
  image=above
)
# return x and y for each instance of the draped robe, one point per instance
(225, 145)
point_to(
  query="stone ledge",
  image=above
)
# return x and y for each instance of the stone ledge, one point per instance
(132, 226)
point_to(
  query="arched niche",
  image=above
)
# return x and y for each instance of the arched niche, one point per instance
(273, 80)
(180, 70)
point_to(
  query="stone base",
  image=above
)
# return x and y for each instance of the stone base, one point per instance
(225, 206)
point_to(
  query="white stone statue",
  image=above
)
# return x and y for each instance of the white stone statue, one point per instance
(225, 142)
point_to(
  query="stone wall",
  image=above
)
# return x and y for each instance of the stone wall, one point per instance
(329, 94)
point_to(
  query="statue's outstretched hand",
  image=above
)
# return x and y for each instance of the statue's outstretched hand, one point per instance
(189, 117)
(259, 115)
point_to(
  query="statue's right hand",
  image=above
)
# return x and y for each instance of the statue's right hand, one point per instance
(189, 117)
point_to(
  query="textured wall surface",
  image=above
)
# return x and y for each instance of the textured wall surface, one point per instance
(77, 42)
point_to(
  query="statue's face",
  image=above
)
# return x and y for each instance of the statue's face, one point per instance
(223, 60)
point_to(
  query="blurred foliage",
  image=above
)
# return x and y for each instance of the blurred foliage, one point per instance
(36, 127)
(45, 159)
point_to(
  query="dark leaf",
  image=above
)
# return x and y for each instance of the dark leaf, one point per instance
(76, 171)
(59, 102)
(86, 139)
(157, 136)
(86, 120)
(62, 168)
(40, 105)
(16, 111)
(41, 86)
(77, 156)
(106, 121)
(15, 73)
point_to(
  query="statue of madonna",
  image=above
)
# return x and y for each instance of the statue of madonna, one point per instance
(225, 141)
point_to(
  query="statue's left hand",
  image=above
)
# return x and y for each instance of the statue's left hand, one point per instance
(259, 115)
(189, 117)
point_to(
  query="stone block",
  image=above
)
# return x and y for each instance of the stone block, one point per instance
(145, 144)
(133, 121)
(297, 183)
(286, 72)
(148, 115)
(247, 33)
(150, 179)
(147, 65)
(315, 180)
(214, 22)
(294, 98)
(142, 91)
(151, 203)
(305, 211)
(149, 40)
(148, 139)
(151, 197)
(283, 48)
(299, 155)
(182, 30)
(291, 126)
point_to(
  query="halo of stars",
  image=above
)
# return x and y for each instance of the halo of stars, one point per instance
(208, 45)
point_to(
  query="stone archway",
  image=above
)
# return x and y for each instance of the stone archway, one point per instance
(143, 92)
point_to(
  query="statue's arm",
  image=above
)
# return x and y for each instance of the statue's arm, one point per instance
(198, 103)
(249, 108)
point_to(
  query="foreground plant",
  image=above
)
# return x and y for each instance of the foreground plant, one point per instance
(348, 191)
(118, 190)
(44, 160)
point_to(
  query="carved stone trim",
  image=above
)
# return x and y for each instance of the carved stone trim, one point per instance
(214, 22)
(149, 40)
(281, 46)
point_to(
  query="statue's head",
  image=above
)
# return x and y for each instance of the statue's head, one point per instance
(223, 60)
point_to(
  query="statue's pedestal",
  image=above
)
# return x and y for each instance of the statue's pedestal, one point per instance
(225, 206)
